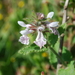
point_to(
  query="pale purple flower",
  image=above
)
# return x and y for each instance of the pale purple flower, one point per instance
(38, 26)
(40, 40)
(53, 27)
(50, 14)
(24, 39)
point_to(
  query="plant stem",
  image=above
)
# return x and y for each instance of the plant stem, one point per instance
(62, 37)
(58, 56)
(63, 21)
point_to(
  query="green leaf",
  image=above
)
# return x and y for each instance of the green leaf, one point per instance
(32, 48)
(62, 28)
(52, 39)
(69, 70)
(66, 55)
(52, 56)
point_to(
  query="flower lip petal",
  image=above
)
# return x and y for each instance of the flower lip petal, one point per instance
(24, 39)
(21, 23)
(53, 24)
(40, 40)
(50, 14)
(40, 43)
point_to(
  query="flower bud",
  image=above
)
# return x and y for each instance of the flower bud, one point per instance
(40, 16)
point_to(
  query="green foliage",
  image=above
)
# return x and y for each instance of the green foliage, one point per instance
(66, 54)
(32, 48)
(52, 56)
(62, 28)
(52, 39)
(32, 64)
(69, 70)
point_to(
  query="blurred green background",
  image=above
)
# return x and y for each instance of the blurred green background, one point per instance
(12, 11)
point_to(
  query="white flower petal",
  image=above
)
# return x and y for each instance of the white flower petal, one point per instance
(50, 15)
(31, 31)
(40, 40)
(21, 23)
(40, 43)
(26, 31)
(24, 39)
(53, 24)
(38, 36)
(28, 25)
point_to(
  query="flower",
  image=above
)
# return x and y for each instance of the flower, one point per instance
(40, 16)
(40, 24)
(24, 39)
(45, 54)
(53, 27)
(21, 4)
(40, 40)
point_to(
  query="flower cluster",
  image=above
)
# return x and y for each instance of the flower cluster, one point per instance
(39, 26)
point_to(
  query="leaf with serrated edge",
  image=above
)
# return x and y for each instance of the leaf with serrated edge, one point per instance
(29, 49)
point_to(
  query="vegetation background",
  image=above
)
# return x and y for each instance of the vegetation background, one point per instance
(12, 63)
